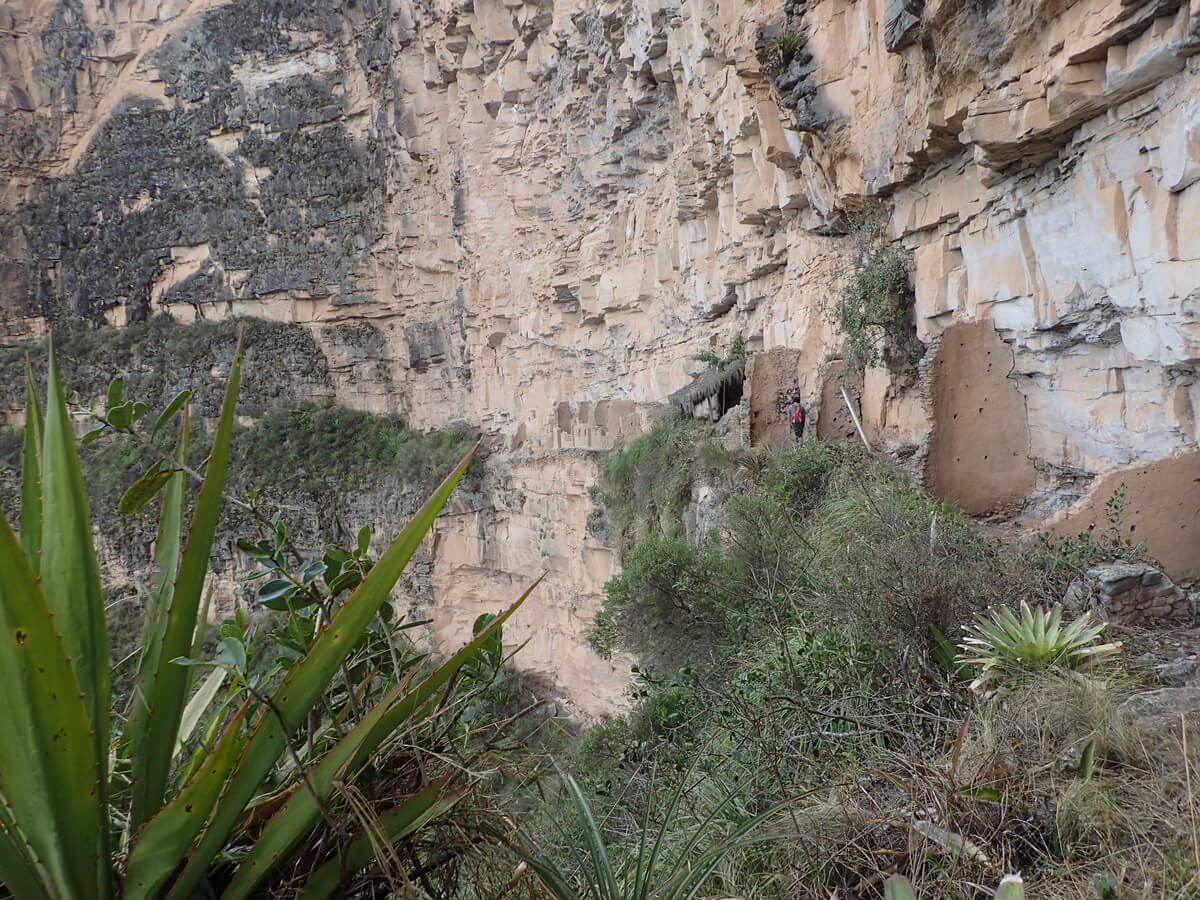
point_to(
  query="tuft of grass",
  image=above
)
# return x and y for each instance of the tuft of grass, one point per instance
(647, 485)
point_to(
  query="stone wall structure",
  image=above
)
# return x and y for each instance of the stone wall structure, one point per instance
(544, 208)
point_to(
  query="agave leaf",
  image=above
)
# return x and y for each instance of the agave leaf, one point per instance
(70, 575)
(392, 826)
(897, 887)
(167, 551)
(1027, 620)
(50, 778)
(18, 872)
(176, 620)
(31, 475)
(171, 620)
(158, 852)
(202, 623)
(301, 813)
(171, 833)
(1054, 625)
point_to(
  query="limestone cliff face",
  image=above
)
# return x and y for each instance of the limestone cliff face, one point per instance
(545, 207)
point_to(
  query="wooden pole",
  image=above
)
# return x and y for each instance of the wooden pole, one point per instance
(861, 434)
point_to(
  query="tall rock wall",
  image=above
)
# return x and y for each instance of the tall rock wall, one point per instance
(546, 207)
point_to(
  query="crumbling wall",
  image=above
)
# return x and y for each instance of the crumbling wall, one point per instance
(774, 378)
(979, 448)
(1161, 509)
(834, 422)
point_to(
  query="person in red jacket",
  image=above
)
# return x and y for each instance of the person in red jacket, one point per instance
(797, 416)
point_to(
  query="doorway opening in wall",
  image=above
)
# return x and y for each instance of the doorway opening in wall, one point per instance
(729, 394)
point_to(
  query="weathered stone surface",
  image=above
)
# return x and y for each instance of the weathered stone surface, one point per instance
(1129, 593)
(1154, 710)
(1161, 509)
(545, 208)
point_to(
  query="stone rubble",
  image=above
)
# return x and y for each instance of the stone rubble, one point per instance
(1130, 594)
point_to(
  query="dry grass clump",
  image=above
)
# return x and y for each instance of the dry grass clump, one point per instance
(1084, 791)
(890, 558)
(1054, 781)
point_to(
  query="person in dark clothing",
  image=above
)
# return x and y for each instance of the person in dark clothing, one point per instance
(797, 416)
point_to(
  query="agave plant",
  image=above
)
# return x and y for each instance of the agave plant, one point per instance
(897, 887)
(1006, 646)
(68, 829)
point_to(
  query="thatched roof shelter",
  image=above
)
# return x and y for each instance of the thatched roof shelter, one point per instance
(724, 382)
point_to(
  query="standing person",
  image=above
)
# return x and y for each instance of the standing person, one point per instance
(797, 416)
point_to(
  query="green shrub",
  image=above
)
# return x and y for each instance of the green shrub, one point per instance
(893, 559)
(668, 591)
(647, 485)
(1061, 560)
(874, 309)
(737, 353)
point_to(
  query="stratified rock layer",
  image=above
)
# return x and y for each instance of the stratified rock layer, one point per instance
(544, 208)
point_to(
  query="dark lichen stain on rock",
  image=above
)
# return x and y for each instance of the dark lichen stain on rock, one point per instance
(291, 206)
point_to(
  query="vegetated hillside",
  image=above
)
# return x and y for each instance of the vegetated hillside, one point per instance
(797, 650)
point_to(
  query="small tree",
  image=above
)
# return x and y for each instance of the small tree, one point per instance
(736, 353)
(874, 310)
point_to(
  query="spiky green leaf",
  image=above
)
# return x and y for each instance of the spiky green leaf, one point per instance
(391, 827)
(50, 777)
(70, 574)
(18, 872)
(31, 475)
(396, 710)
(171, 625)
(169, 836)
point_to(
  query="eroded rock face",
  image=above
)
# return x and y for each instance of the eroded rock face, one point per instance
(544, 208)
(1161, 508)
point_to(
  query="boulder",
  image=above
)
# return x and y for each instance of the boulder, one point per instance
(1153, 710)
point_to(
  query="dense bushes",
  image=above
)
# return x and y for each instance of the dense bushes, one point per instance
(799, 652)
(646, 486)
